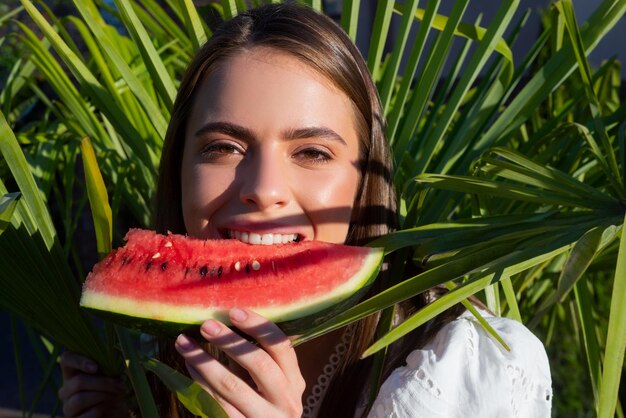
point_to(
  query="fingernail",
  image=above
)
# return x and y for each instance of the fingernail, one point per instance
(238, 315)
(211, 328)
(184, 343)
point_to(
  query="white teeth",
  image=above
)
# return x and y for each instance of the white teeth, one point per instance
(254, 239)
(258, 239)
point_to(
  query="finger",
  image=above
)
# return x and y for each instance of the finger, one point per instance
(266, 373)
(230, 410)
(221, 381)
(91, 383)
(82, 402)
(72, 364)
(272, 339)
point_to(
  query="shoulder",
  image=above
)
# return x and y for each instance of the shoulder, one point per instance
(463, 371)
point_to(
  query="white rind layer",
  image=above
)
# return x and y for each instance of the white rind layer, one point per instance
(162, 311)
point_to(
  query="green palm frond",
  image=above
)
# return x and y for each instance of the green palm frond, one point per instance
(37, 284)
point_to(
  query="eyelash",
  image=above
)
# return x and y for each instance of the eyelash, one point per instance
(217, 150)
(314, 156)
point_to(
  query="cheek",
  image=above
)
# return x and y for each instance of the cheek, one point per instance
(202, 191)
(338, 189)
(328, 203)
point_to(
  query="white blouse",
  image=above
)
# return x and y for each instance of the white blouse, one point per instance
(464, 372)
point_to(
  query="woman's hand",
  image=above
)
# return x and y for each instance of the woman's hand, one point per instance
(277, 384)
(88, 394)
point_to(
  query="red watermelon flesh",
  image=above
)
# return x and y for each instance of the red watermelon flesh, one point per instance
(180, 280)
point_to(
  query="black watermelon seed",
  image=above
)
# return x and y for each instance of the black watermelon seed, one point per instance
(148, 265)
(164, 266)
(219, 271)
(248, 268)
(186, 270)
(203, 271)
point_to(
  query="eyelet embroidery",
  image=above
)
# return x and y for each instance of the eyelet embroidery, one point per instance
(527, 391)
(314, 400)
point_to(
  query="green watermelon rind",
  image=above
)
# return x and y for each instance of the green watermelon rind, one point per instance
(162, 319)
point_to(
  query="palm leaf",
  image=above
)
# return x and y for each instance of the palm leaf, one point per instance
(194, 24)
(8, 203)
(37, 285)
(385, 87)
(584, 306)
(616, 337)
(37, 216)
(159, 74)
(432, 70)
(188, 392)
(229, 8)
(473, 32)
(98, 199)
(110, 47)
(384, 10)
(567, 10)
(350, 17)
(409, 73)
(483, 51)
(95, 90)
(550, 75)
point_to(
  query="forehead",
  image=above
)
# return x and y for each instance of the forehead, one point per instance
(266, 84)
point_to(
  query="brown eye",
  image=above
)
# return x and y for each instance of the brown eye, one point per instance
(313, 156)
(221, 150)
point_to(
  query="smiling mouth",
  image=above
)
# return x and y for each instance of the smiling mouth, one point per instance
(262, 239)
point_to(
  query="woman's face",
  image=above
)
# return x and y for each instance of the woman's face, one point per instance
(271, 153)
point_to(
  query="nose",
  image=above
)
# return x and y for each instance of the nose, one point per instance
(265, 182)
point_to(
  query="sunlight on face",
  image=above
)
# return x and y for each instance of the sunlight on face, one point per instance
(271, 153)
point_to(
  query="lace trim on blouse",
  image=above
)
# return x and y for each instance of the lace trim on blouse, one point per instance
(314, 400)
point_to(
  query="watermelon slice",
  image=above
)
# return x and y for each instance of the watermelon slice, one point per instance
(166, 284)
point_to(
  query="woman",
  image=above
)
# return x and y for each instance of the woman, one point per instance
(277, 132)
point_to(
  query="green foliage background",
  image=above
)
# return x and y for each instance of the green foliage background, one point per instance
(512, 173)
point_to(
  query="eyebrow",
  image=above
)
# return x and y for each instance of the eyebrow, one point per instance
(238, 131)
(227, 128)
(314, 132)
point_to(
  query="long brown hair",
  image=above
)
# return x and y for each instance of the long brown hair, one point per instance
(319, 43)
